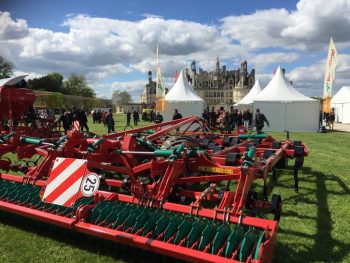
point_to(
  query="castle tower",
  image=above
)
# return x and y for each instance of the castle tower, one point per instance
(149, 77)
(217, 67)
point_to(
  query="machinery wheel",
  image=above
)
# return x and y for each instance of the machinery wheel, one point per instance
(276, 206)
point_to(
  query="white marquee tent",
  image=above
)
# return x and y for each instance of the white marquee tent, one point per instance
(341, 104)
(182, 97)
(286, 108)
(248, 99)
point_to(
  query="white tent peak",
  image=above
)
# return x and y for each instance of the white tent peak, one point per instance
(249, 98)
(280, 89)
(182, 91)
(342, 96)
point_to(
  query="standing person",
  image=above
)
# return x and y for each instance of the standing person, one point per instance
(99, 116)
(136, 117)
(212, 116)
(331, 119)
(66, 120)
(109, 121)
(231, 120)
(83, 120)
(177, 115)
(159, 118)
(205, 115)
(246, 118)
(259, 121)
(128, 118)
(226, 122)
(94, 116)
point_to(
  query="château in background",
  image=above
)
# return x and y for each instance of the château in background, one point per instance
(217, 88)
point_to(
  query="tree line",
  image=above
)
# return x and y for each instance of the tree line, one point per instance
(53, 82)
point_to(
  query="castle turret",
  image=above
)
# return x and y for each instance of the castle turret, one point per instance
(149, 77)
(217, 67)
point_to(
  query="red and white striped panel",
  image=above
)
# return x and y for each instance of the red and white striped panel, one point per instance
(76, 126)
(63, 187)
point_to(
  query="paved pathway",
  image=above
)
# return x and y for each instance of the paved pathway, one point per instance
(342, 127)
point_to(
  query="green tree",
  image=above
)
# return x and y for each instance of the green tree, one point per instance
(76, 85)
(5, 68)
(121, 98)
(51, 82)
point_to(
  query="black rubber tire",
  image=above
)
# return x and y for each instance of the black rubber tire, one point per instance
(276, 206)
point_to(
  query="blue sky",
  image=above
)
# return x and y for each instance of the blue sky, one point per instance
(113, 43)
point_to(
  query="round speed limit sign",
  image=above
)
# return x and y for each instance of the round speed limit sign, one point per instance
(90, 184)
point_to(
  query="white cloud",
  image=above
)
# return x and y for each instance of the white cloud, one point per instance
(309, 27)
(106, 48)
(10, 29)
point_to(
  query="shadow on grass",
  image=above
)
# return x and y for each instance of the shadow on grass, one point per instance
(325, 248)
(97, 246)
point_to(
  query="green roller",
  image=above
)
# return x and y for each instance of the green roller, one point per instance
(184, 229)
(252, 136)
(95, 145)
(260, 241)
(195, 233)
(250, 238)
(96, 212)
(173, 227)
(248, 161)
(122, 216)
(207, 235)
(152, 222)
(31, 140)
(141, 220)
(221, 236)
(113, 215)
(233, 241)
(130, 220)
(162, 223)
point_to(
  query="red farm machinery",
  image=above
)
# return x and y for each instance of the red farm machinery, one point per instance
(16, 102)
(171, 188)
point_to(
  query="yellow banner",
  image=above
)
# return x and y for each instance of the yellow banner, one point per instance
(332, 61)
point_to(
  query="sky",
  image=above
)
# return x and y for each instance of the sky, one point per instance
(113, 43)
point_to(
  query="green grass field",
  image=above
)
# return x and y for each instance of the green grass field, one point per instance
(314, 227)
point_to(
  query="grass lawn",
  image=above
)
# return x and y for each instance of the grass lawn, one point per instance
(314, 226)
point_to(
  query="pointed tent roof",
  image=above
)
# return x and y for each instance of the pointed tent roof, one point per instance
(342, 96)
(280, 89)
(182, 91)
(249, 98)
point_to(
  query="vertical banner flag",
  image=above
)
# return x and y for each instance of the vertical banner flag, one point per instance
(332, 61)
(160, 90)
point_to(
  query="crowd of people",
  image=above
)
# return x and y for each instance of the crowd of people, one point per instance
(229, 120)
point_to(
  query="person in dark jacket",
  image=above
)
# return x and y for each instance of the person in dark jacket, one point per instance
(110, 121)
(159, 118)
(136, 117)
(83, 120)
(128, 118)
(66, 120)
(259, 121)
(177, 115)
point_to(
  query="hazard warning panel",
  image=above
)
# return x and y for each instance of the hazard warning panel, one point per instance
(65, 182)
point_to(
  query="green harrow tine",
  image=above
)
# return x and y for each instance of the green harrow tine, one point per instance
(195, 233)
(184, 229)
(260, 241)
(250, 238)
(207, 235)
(141, 220)
(221, 236)
(131, 219)
(152, 222)
(161, 225)
(233, 241)
(173, 227)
